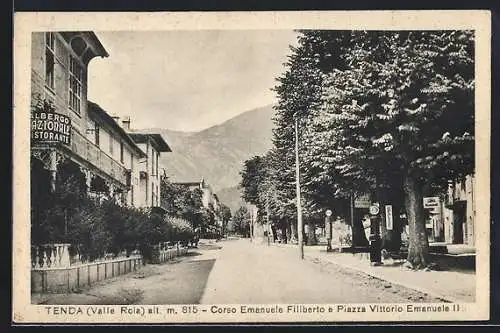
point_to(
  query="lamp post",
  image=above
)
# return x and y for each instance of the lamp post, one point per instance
(251, 224)
(328, 229)
(297, 182)
(352, 219)
(268, 228)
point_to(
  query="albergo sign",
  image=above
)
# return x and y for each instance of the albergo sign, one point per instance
(50, 127)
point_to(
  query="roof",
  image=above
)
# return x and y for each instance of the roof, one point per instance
(157, 140)
(95, 109)
(187, 183)
(100, 48)
(97, 47)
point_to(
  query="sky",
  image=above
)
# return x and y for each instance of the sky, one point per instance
(187, 80)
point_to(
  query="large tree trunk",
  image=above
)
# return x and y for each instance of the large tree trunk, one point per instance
(283, 227)
(418, 249)
(293, 230)
(311, 234)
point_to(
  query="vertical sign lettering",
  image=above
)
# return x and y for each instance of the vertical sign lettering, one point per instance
(388, 217)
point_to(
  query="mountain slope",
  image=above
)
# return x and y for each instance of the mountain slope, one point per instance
(218, 152)
(231, 197)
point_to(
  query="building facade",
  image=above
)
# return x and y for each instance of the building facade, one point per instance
(117, 162)
(149, 171)
(208, 198)
(111, 138)
(74, 129)
(459, 212)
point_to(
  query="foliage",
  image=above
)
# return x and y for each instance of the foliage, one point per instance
(182, 202)
(252, 178)
(225, 216)
(240, 222)
(94, 227)
(374, 111)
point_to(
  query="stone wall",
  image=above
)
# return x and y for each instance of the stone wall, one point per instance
(73, 278)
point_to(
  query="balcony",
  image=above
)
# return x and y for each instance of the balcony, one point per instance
(90, 152)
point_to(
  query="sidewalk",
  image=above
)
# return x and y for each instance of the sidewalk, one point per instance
(451, 286)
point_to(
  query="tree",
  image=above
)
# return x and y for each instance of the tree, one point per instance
(225, 214)
(182, 202)
(380, 112)
(240, 222)
(252, 178)
(402, 115)
(299, 91)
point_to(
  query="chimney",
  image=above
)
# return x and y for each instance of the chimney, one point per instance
(116, 118)
(126, 123)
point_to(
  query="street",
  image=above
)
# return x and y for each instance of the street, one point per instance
(260, 274)
(239, 272)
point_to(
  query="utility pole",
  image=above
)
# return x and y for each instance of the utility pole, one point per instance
(251, 224)
(267, 216)
(352, 219)
(297, 181)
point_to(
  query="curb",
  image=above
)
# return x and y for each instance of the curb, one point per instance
(383, 278)
(392, 281)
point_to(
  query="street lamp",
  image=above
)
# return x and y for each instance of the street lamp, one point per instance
(297, 182)
(328, 229)
(268, 231)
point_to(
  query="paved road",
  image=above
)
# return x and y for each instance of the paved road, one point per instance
(238, 272)
(258, 274)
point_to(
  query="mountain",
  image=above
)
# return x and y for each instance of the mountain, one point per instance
(231, 197)
(218, 152)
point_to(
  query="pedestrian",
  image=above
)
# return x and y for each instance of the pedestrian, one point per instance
(273, 231)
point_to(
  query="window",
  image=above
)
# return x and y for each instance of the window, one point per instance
(132, 195)
(75, 84)
(157, 155)
(111, 145)
(96, 133)
(152, 162)
(49, 59)
(121, 152)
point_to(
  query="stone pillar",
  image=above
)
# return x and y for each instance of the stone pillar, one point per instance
(470, 237)
(111, 193)
(88, 180)
(53, 170)
(448, 225)
(63, 255)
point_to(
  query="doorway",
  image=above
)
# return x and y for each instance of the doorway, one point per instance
(459, 213)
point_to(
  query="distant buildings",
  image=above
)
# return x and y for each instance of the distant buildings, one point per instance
(451, 215)
(209, 199)
(459, 212)
(149, 170)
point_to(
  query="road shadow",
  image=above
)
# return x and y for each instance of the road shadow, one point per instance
(192, 254)
(209, 247)
(183, 283)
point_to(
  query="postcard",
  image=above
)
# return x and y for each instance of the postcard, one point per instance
(251, 167)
